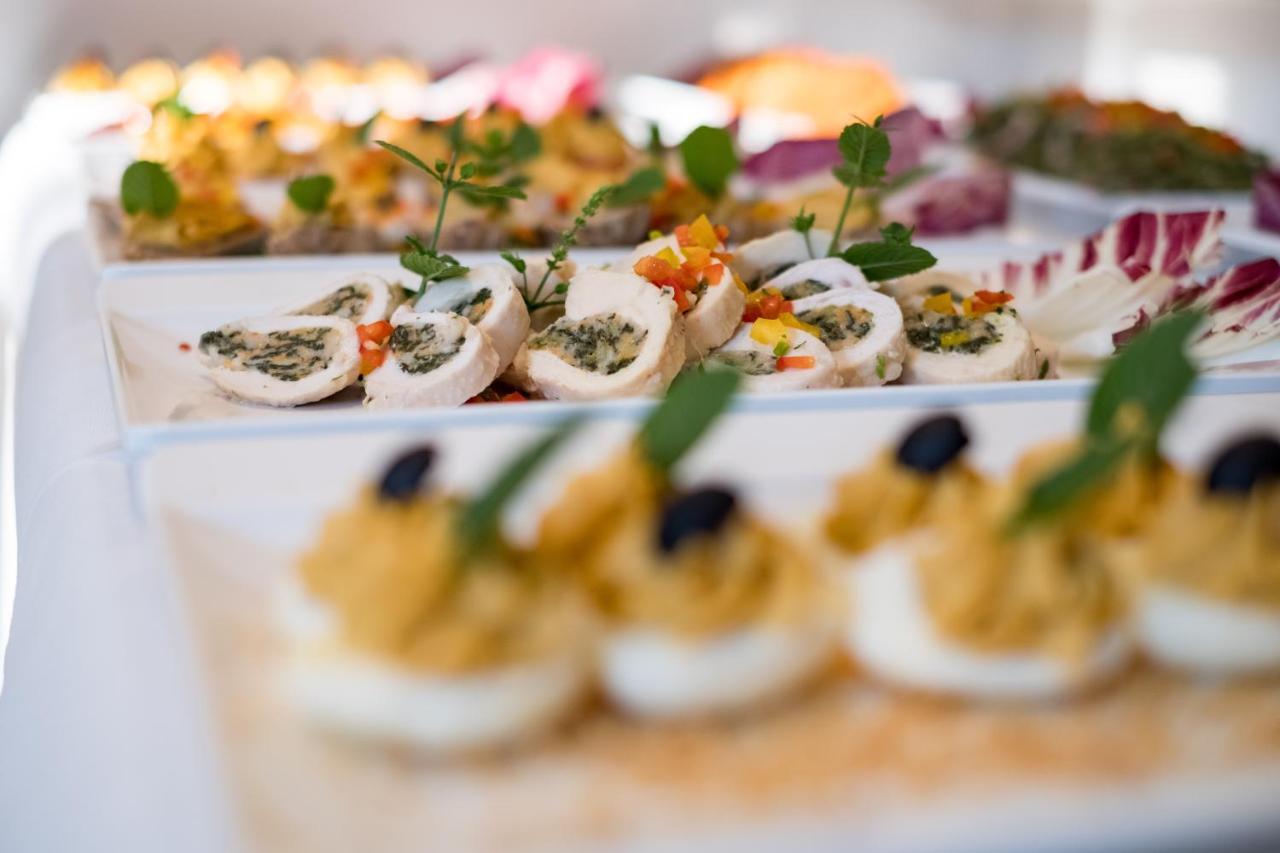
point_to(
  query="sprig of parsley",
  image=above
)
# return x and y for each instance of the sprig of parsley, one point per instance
(865, 150)
(426, 260)
(1140, 389)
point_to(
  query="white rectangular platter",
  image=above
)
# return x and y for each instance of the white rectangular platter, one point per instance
(1155, 762)
(162, 394)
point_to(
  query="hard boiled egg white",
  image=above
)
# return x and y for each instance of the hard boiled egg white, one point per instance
(1183, 630)
(891, 633)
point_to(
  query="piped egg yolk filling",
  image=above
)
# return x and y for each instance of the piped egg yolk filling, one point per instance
(1226, 547)
(394, 574)
(885, 500)
(743, 575)
(1046, 589)
(594, 503)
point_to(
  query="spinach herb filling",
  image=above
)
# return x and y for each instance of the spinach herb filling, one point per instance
(801, 289)
(422, 349)
(605, 343)
(747, 362)
(969, 334)
(839, 326)
(347, 302)
(285, 355)
(473, 307)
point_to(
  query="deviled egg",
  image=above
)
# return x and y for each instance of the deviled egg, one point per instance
(414, 635)
(1209, 589)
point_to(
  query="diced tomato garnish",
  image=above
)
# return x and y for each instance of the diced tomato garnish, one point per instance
(184, 346)
(682, 236)
(563, 203)
(371, 360)
(513, 397)
(795, 362)
(722, 233)
(994, 297)
(377, 332)
(682, 299)
(751, 313)
(771, 306)
(714, 273)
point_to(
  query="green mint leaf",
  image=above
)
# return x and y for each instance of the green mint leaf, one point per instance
(525, 143)
(174, 107)
(146, 187)
(411, 158)
(709, 159)
(887, 260)
(692, 404)
(896, 232)
(467, 171)
(431, 266)
(363, 131)
(803, 222)
(489, 191)
(1152, 372)
(481, 516)
(866, 150)
(517, 262)
(640, 186)
(1065, 485)
(310, 194)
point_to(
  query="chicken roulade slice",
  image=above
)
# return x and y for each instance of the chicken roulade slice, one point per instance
(433, 359)
(809, 278)
(862, 328)
(488, 298)
(619, 337)
(283, 361)
(762, 371)
(360, 298)
(958, 347)
(759, 260)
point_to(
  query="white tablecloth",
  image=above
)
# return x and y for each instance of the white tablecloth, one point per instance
(102, 745)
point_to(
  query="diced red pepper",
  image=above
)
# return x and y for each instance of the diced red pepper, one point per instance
(371, 360)
(377, 332)
(682, 299)
(713, 274)
(795, 362)
(722, 233)
(184, 346)
(514, 397)
(993, 297)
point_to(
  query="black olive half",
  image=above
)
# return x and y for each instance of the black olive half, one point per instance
(696, 513)
(1244, 465)
(404, 476)
(932, 444)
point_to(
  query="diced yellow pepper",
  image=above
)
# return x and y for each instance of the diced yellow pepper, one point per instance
(941, 303)
(768, 332)
(794, 322)
(697, 256)
(966, 305)
(669, 256)
(950, 340)
(703, 233)
(742, 285)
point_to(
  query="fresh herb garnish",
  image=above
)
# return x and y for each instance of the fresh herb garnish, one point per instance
(363, 131)
(640, 186)
(893, 257)
(803, 222)
(692, 404)
(499, 156)
(174, 107)
(310, 194)
(146, 187)
(709, 159)
(866, 150)
(880, 366)
(559, 254)
(1140, 389)
(426, 260)
(480, 516)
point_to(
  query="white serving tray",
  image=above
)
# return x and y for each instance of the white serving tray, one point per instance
(163, 395)
(230, 516)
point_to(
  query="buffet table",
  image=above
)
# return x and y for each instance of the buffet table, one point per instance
(100, 728)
